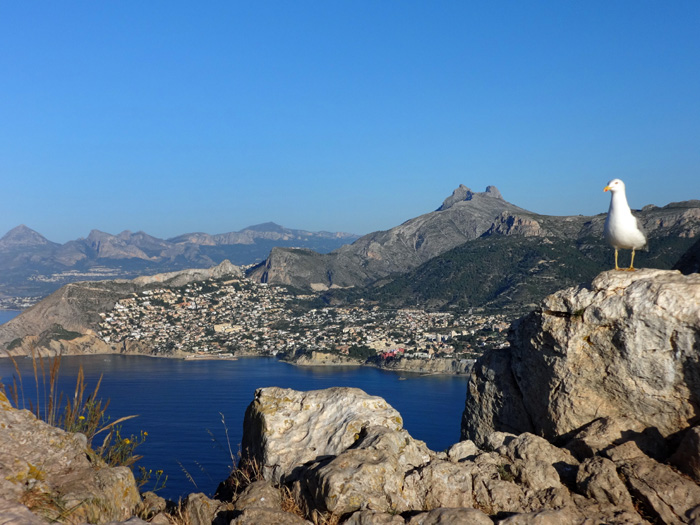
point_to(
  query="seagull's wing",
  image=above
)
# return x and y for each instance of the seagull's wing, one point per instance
(640, 227)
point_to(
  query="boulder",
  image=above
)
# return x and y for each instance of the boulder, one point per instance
(608, 432)
(462, 450)
(598, 479)
(258, 516)
(54, 474)
(14, 513)
(687, 457)
(664, 493)
(199, 509)
(368, 475)
(372, 517)
(626, 345)
(450, 517)
(381, 475)
(259, 494)
(284, 429)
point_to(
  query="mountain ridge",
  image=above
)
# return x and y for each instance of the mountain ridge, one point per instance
(462, 217)
(31, 265)
(466, 223)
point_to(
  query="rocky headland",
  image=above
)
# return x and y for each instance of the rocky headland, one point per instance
(436, 365)
(589, 417)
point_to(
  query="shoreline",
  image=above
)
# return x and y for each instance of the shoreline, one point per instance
(232, 357)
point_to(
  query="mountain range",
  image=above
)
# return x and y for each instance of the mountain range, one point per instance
(477, 250)
(31, 265)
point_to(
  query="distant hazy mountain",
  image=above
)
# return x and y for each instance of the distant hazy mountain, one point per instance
(32, 265)
(478, 249)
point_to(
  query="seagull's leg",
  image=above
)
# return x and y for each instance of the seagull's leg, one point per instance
(631, 268)
(616, 266)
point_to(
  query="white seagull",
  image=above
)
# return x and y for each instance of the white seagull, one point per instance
(622, 229)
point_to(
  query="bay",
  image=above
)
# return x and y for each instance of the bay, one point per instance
(193, 410)
(6, 315)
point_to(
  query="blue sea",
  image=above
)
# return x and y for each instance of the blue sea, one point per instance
(193, 410)
(6, 315)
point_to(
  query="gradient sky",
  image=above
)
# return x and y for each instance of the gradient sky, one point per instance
(173, 117)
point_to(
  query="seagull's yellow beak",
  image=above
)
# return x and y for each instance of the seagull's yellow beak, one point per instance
(607, 188)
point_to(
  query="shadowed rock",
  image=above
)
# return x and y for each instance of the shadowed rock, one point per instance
(627, 346)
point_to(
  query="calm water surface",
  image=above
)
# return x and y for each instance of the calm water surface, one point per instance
(180, 404)
(6, 315)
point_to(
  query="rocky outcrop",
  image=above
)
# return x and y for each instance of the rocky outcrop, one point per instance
(326, 451)
(56, 476)
(509, 224)
(324, 359)
(284, 428)
(589, 417)
(626, 346)
(436, 365)
(183, 277)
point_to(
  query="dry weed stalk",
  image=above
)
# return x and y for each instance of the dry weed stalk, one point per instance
(86, 415)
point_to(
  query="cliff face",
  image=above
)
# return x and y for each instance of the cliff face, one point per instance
(627, 345)
(436, 365)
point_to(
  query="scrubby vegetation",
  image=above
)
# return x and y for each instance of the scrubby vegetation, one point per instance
(80, 412)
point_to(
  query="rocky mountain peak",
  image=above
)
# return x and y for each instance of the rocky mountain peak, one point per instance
(23, 236)
(265, 227)
(493, 192)
(462, 193)
(97, 235)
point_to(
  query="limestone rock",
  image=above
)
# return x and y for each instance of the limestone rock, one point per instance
(198, 509)
(665, 494)
(687, 457)
(609, 432)
(451, 517)
(259, 494)
(509, 224)
(151, 505)
(13, 513)
(372, 517)
(598, 479)
(494, 400)
(368, 475)
(50, 470)
(462, 450)
(626, 345)
(284, 428)
(531, 448)
(441, 484)
(258, 516)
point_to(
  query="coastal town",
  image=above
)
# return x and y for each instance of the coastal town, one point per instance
(227, 318)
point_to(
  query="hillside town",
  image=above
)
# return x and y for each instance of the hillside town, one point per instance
(225, 318)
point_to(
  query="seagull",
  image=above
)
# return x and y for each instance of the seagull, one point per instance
(622, 229)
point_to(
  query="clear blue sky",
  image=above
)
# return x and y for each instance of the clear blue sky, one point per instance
(173, 117)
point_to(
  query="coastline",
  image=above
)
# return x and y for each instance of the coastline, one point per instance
(418, 367)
